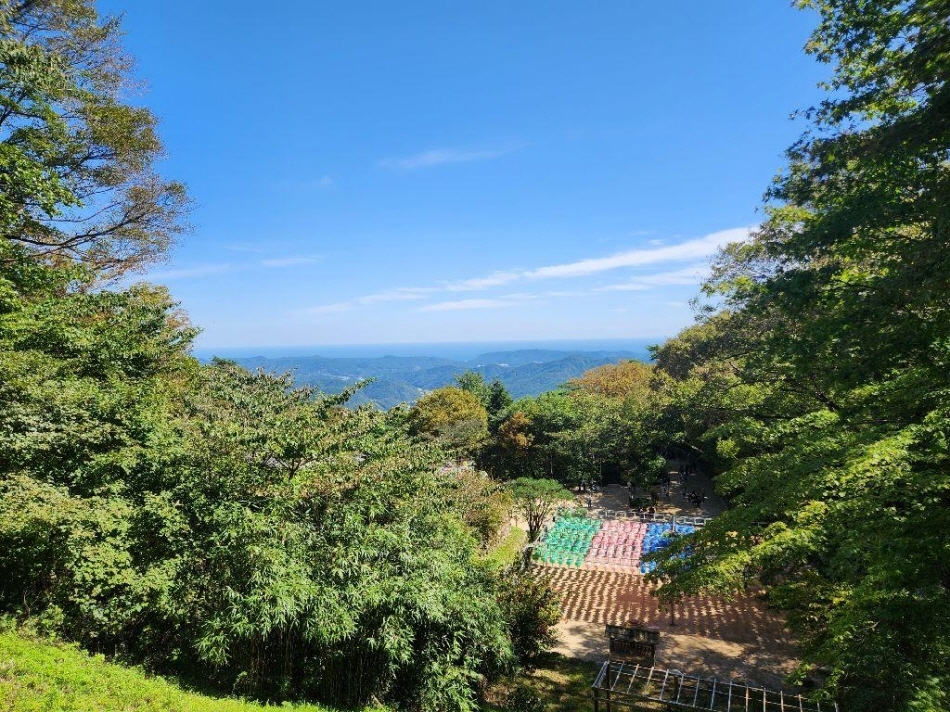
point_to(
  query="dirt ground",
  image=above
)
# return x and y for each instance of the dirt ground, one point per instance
(738, 639)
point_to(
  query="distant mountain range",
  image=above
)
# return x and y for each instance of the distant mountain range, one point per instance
(403, 379)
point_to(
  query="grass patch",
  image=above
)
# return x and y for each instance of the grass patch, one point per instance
(38, 676)
(561, 684)
(508, 549)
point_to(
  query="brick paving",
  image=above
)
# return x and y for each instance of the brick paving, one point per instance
(604, 597)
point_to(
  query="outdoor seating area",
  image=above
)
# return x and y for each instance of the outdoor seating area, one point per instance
(615, 545)
(656, 537)
(618, 544)
(568, 541)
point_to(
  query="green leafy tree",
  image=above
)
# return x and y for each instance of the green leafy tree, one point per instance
(493, 396)
(513, 446)
(616, 380)
(474, 383)
(222, 524)
(554, 421)
(498, 402)
(328, 534)
(498, 397)
(88, 381)
(480, 501)
(454, 417)
(536, 500)
(828, 371)
(77, 176)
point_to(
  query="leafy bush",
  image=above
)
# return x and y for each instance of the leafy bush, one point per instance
(532, 609)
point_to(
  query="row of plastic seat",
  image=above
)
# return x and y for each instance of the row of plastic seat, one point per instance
(635, 538)
(568, 542)
(576, 541)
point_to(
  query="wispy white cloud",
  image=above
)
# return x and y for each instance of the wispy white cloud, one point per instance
(468, 304)
(689, 250)
(247, 248)
(443, 156)
(685, 277)
(501, 302)
(522, 296)
(291, 261)
(561, 293)
(400, 294)
(495, 279)
(335, 308)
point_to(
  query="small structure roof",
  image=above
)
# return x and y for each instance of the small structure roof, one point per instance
(627, 686)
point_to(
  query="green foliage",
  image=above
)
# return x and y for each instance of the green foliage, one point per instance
(822, 388)
(510, 452)
(222, 524)
(76, 163)
(532, 609)
(536, 500)
(454, 418)
(478, 500)
(323, 533)
(493, 396)
(498, 401)
(474, 383)
(508, 550)
(86, 382)
(609, 421)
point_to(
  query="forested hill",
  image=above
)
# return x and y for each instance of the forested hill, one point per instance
(402, 379)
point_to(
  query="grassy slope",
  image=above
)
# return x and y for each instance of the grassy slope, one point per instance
(508, 549)
(560, 685)
(39, 676)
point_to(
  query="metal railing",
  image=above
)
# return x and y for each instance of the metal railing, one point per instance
(628, 686)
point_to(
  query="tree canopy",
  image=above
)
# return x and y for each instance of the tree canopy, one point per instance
(200, 519)
(537, 500)
(215, 522)
(77, 163)
(821, 386)
(454, 417)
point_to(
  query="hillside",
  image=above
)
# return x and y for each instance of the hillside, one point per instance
(402, 379)
(43, 676)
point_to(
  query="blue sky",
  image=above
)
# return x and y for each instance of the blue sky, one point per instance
(379, 172)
